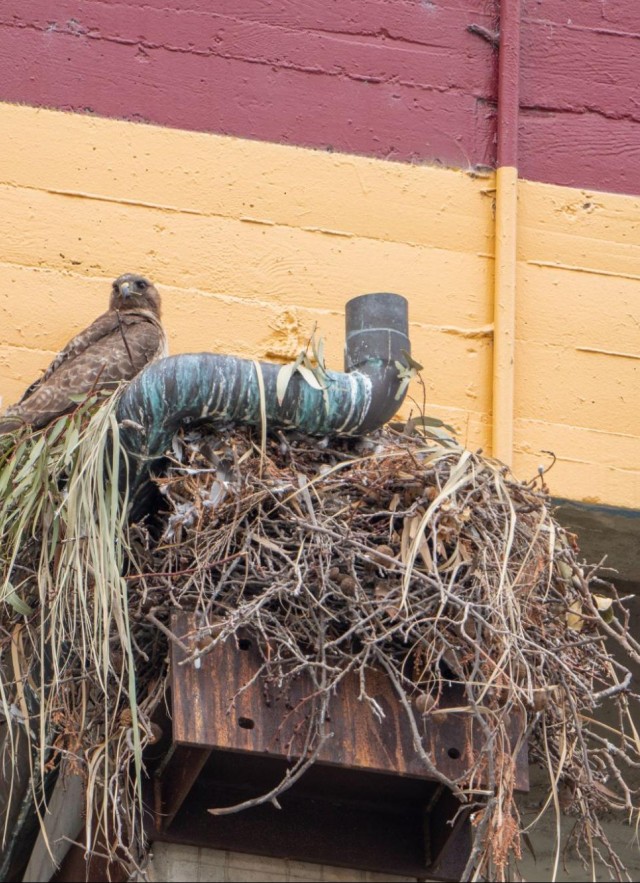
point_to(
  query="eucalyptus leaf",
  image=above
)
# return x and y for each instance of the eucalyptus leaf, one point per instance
(17, 603)
(58, 427)
(318, 352)
(574, 620)
(37, 450)
(401, 389)
(411, 362)
(564, 569)
(5, 474)
(604, 606)
(432, 421)
(310, 377)
(282, 382)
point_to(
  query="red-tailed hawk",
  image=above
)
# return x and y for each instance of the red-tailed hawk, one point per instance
(113, 348)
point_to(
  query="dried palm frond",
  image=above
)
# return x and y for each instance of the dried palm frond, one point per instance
(64, 603)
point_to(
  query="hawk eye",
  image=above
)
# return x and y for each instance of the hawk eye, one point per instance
(141, 285)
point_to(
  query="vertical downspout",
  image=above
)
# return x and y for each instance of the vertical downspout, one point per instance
(504, 309)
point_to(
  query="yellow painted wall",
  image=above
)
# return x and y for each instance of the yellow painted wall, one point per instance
(578, 341)
(252, 244)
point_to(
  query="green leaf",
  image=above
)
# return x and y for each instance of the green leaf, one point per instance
(284, 377)
(58, 427)
(411, 362)
(36, 451)
(16, 602)
(71, 443)
(310, 377)
(6, 473)
(318, 351)
(432, 421)
(402, 387)
(604, 607)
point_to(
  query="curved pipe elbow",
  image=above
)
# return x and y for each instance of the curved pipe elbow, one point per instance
(376, 343)
(207, 387)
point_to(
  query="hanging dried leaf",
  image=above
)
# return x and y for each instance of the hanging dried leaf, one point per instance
(574, 619)
(604, 607)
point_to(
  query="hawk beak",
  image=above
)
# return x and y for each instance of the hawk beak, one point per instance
(126, 289)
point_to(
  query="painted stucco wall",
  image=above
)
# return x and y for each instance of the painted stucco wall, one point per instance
(395, 79)
(399, 79)
(252, 244)
(310, 150)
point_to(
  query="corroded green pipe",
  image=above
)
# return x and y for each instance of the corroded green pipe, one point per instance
(212, 388)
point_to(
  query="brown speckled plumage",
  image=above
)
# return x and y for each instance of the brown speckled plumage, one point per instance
(113, 348)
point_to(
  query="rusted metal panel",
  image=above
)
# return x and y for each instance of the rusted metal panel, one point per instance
(223, 706)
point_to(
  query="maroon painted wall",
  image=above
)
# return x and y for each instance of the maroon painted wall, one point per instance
(391, 78)
(400, 79)
(580, 93)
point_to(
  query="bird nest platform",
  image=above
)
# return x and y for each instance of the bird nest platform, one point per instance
(400, 552)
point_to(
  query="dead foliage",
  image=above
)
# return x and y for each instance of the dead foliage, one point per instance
(402, 553)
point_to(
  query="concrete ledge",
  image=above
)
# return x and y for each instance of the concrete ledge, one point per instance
(605, 530)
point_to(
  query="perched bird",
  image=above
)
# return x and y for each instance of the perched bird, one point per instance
(113, 348)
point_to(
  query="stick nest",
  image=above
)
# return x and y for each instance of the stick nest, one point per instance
(398, 553)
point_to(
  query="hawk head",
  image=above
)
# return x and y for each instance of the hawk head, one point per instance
(133, 292)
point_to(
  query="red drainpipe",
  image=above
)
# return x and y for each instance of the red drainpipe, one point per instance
(506, 230)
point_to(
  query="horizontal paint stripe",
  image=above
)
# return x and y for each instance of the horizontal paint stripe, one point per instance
(318, 46)
(18, 368)
(578, 94)
(252, 244)
(593, 467)
(281, 265)
(387, 78)
(235, 178)
(560, 309)
(558, 384)
(405, 97)
(614, 450)
(595, 16)
(580, 149)
(580, 69)
(396, 19)
(579, 229)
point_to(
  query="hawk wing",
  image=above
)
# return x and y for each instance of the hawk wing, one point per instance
(113, 348)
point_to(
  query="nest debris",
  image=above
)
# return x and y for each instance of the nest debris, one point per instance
(401, 553)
